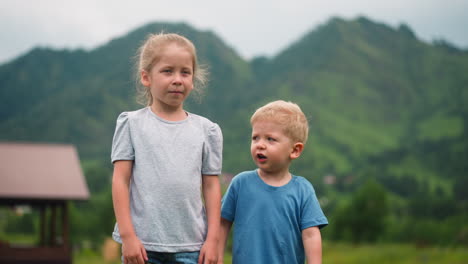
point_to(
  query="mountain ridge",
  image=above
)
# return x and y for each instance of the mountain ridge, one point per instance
(368, 88)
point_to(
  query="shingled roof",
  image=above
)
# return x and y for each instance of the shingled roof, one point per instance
(41, 171)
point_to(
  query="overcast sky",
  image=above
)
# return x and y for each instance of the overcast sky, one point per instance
(251, 27)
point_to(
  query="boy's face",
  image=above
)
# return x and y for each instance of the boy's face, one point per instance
(271, 149)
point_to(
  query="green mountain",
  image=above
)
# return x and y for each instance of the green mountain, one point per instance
(75, 96)
(370, 89)
(381, 102)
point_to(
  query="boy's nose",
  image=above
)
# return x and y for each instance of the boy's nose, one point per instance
(260, 145)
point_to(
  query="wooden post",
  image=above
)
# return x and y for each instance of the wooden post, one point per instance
(42, 225)
(53, 226)
(65, 225)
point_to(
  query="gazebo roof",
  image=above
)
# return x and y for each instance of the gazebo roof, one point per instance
(41, 172)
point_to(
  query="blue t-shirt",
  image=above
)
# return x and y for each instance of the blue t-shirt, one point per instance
(268, 220)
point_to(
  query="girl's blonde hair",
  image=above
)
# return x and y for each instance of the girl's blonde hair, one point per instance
(151, 51)
(287, 114)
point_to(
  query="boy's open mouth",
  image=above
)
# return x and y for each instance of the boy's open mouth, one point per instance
(261, 156)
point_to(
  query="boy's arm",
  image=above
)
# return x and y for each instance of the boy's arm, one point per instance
(312, 240)
(132, 249)
(223, 236)
(212, 195)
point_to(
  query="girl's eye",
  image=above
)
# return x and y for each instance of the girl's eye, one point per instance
(254, 137)
(271, 139)
(167, 70)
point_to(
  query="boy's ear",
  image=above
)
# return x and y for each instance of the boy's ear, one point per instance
(144, 78)
(297, 149)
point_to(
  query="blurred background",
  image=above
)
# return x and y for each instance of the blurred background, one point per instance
(384, 85)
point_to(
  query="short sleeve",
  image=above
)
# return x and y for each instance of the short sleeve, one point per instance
(122, 148)
(312, 214)
(229, 202)
(213, 151)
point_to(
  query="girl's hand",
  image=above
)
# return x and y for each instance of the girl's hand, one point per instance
(133, 251)
(209, 253)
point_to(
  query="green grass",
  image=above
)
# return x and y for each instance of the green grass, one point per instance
(88, 256)
(341, 253)
(344, 253)
(18, 239)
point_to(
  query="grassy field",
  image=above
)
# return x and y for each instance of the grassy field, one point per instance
(392, 253)
(342, 253)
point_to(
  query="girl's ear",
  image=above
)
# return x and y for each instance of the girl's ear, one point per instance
(297, 149)
(145, 78)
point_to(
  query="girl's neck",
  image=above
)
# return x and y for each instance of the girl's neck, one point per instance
(276, 179)
(169, 113)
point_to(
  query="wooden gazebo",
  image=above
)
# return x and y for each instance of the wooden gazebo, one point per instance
(45, 177)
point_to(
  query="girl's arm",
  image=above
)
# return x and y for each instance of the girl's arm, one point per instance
(223, 237)
(312, 240)
(132, 249)
(212, 195)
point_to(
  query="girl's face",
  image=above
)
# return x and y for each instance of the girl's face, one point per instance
(171, 78)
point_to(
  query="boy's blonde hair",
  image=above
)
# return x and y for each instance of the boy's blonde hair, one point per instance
(287, 114)
(150, 53)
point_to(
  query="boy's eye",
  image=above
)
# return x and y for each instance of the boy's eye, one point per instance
(271, 139)
(254, 137)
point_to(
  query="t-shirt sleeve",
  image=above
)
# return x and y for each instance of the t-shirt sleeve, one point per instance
(312, 214)
(213, 151)
(229, 202)
(122, 147)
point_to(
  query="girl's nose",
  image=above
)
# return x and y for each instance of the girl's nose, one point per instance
(177, 79)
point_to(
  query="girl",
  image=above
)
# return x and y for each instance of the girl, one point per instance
(162, 155)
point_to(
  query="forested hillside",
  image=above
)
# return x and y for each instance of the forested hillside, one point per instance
(75, 96)
(382, 105)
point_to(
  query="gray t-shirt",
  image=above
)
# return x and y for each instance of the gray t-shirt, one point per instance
(165, 188)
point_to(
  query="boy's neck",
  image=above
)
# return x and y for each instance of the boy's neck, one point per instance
(168, 113)
(277, 178)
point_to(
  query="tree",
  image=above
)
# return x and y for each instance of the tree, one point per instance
(364, 218)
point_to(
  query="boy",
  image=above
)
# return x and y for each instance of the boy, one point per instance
(277, 216)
